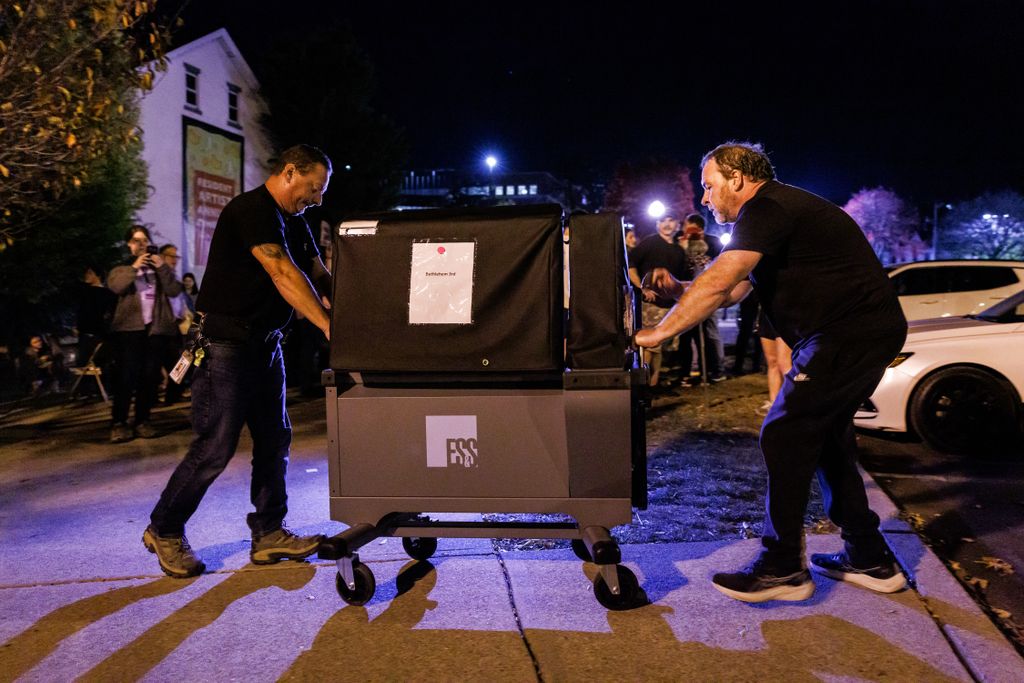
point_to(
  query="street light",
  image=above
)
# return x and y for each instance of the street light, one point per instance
(935, 227)
(656, 209)
(491, 162)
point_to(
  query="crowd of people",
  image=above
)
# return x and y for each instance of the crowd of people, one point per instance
(129, 330)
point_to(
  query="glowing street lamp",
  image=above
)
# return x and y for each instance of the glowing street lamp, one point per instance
(491, 162)
(656, 209)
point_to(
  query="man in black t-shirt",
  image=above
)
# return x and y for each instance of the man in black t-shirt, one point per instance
(263, 264)
(657, 251)
(824, 290)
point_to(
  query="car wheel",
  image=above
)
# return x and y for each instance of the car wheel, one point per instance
(964, 409)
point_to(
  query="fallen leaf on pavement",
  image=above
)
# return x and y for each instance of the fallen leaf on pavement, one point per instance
(980, 583)
(1001, 567)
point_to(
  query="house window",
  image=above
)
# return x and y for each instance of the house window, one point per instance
(510, 189)
(522, 189)
(191, 88)
(499, 191)
(233, 91)
(533, 189)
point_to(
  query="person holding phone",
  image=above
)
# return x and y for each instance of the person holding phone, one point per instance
(142, 331)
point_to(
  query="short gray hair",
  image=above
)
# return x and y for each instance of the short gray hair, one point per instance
(305, 157)
(749, 158)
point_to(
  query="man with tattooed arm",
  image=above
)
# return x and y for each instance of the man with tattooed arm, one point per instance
(263, 265)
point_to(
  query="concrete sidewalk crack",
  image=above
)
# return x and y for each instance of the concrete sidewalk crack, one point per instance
(515, 611)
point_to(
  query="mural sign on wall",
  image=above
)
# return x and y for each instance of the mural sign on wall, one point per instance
(214, 162)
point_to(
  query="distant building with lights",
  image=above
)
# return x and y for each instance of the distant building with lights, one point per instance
(447, 187)
(202, 142)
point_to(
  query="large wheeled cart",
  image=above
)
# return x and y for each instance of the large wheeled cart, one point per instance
(458, 385)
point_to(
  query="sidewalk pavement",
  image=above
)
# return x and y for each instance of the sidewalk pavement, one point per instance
(82, 599)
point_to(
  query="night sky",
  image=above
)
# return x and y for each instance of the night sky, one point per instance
(921, 97)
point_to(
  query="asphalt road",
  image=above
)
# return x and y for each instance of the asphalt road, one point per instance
(969, 509)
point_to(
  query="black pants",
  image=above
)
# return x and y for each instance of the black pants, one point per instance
(703, 339)
(139, 356)
(809, 430)
(744, 334)
(172, 352)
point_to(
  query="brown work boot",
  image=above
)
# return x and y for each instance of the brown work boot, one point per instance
(283, 545)
(174, 553)
(120, 433)
(144, 430)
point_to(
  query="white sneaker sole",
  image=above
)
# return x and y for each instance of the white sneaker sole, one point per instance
(788, 593)
(893, 584)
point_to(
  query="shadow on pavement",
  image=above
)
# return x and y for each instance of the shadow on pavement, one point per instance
(133, 660)
(640, 645)
(25, 650)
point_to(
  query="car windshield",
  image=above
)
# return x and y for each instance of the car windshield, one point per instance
(1009, 310)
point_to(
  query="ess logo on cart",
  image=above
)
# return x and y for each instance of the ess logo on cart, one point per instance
(451, 441)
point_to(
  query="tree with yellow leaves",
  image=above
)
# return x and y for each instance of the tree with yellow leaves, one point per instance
(70, 74)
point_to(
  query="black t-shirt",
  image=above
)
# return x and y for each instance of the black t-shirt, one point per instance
(654, 252)
(95, 309)
(235, 284)
(818, 274)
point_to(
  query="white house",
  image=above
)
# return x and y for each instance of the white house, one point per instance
(202, 142)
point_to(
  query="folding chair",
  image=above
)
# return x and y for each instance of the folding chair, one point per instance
(90, 369)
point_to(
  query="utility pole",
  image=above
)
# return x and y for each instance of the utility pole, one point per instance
(935, 227)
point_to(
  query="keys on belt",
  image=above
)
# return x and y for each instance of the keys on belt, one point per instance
(193, 355)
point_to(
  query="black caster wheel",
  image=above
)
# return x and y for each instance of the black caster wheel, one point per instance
(579, 548)
(630, 594)
(365, 585)
(420, 547)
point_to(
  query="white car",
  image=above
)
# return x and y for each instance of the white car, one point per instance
(958, 383)
(940, 289)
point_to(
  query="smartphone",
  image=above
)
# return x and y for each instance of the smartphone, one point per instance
(153, 249)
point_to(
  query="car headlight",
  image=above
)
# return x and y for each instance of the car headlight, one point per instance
(902, 356)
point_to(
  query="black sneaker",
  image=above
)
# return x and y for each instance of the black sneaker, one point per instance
(883, 578)
(283, 545)
(756, 584)
(174, 553)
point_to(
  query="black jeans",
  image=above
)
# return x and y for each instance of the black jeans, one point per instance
(238, 384)
(809, 430)
(139, 357)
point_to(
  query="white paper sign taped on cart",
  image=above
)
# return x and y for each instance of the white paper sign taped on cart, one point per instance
(441, 286)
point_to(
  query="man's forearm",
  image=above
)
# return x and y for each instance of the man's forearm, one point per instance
(722, 282)
(297, 290)
(292, 284)
(697, 303)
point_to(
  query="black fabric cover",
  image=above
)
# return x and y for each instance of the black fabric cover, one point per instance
(600, 298)
(517, 294)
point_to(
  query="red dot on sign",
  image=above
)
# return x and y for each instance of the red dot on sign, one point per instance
(440, 250)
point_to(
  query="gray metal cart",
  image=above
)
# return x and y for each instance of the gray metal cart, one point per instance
(485, 430)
